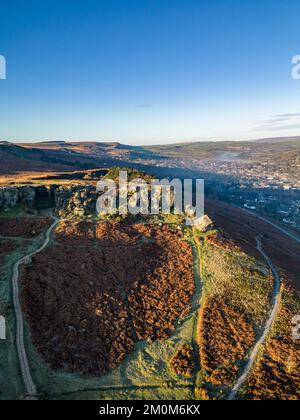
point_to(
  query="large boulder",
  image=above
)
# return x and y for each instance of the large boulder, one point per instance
(204, 223)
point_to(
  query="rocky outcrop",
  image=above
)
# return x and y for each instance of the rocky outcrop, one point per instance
(78, 200)
(27, 195)
(9, 197)
(31, 197)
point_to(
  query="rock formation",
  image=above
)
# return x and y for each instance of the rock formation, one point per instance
(80, 200)
(204, 223)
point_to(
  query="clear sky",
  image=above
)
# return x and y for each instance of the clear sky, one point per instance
(149, 71)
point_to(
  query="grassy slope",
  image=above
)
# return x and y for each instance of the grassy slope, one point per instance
(245, 285)
(276, 374)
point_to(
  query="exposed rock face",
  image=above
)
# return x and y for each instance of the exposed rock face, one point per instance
(9, 197)
(205, 223)
(29, 196)
(78, 200)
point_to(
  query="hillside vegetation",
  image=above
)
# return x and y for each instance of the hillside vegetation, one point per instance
(276, 375)
(237, 292)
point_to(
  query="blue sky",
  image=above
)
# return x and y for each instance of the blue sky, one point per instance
(149, 71)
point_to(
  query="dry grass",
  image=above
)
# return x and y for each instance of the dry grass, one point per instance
(276, 376)
(225, 337)
(237, 297)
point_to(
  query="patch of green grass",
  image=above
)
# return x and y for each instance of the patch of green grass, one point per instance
(143, 394)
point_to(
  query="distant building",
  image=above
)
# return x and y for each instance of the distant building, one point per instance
(247, 206)
(283, 212)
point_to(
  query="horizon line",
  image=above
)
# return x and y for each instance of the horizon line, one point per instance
(148, 144)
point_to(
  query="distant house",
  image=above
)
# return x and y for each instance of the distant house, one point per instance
(283, 212)
(247, 206)
(2, 328)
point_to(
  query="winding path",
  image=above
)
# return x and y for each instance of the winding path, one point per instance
(267, 328)
(23, 360)
(196, 307)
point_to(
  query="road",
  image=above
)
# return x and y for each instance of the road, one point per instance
(267, 328)
(23, 360)
(286, 232)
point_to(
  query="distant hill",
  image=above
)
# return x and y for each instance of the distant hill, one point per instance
(65, 156)
(224, 150)
(70, 156)
(15, 159)
(95, 149)
(280, 140)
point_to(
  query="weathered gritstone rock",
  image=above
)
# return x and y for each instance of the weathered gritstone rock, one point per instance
(78, 200)
(9, 197)
(204, 224)
(29, 196)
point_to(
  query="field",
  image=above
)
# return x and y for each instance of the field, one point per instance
(111, 301)
(10, 381)
(7, 247)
